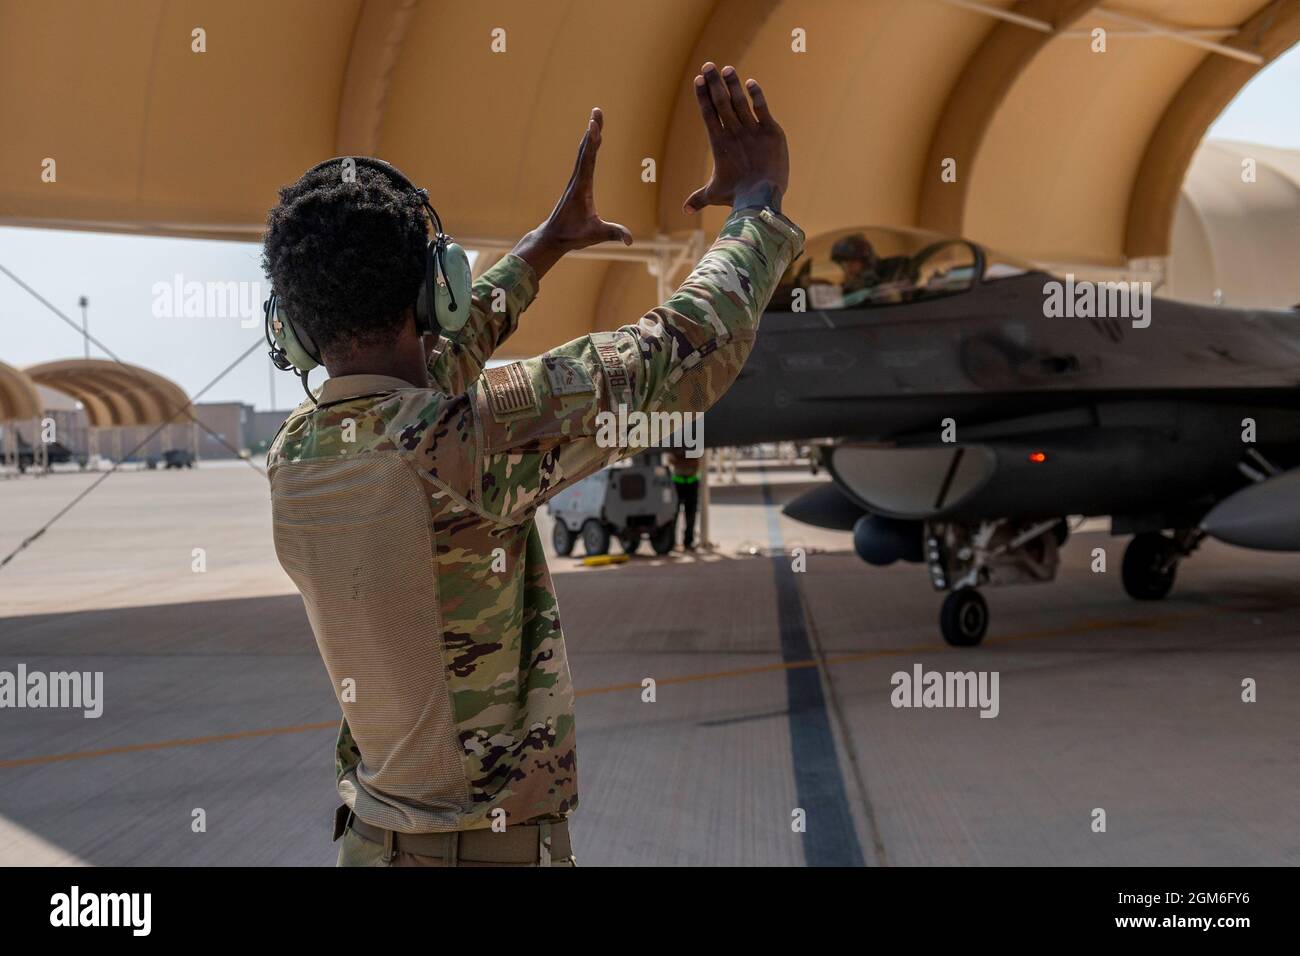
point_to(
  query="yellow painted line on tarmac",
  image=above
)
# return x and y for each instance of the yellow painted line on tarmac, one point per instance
(165, 744)
(776, 666)
(1082, 628)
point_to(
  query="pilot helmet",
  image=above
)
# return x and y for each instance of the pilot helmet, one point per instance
(852, 248)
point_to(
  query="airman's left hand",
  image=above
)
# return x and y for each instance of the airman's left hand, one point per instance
(573, 224)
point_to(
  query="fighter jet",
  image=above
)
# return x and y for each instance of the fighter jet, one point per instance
(966, 405)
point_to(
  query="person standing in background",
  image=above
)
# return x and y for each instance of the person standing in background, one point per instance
(686, 479)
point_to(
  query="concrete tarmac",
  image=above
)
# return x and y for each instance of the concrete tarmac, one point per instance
(773, 697)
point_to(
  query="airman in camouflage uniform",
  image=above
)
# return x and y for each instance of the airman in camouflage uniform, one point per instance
(405, 512)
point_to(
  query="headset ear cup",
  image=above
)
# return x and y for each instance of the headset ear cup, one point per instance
(452, 295)
(301, 355)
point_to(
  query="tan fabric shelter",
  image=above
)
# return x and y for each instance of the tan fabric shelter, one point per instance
(18, 396)
(1236, 241)
(114, 394)
(1062, 154)
(19, 402)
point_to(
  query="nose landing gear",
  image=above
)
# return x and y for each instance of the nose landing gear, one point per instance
(964, 617)
(963, 557)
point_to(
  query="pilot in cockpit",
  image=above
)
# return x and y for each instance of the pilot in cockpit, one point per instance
(867, 277)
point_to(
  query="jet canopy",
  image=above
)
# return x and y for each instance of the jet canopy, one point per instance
(866, 267)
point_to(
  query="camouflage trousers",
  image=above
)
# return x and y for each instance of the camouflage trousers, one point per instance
(455, 850)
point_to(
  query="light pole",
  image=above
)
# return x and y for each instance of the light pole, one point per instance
(85, 324)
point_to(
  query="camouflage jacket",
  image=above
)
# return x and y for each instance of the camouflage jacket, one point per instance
(405, 516)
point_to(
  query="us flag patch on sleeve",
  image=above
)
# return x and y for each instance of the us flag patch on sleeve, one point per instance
(510, 392)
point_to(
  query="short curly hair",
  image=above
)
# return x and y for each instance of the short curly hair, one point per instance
(346, 259)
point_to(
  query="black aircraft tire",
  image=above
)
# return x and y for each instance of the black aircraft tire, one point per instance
(964, 618)
(1140, 572)
(562, 538)
(595, 537)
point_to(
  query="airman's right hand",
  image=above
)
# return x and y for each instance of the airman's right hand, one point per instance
(751, 164)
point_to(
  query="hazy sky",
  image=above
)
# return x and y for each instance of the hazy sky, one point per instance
(119, 275)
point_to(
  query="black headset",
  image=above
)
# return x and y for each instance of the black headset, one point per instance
(443, 303)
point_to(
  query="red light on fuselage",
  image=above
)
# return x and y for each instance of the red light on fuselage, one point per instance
(1038, 457)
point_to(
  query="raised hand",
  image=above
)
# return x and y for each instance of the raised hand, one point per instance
(573, 224)
(751, 164)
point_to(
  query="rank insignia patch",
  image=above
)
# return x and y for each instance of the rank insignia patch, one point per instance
(567, 376)
(510, 392)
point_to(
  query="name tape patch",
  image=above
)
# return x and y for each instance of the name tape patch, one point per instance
(611, 363)
(614, 369)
